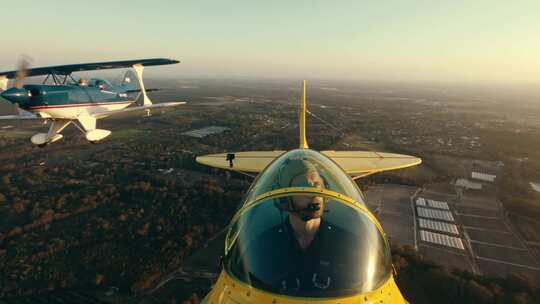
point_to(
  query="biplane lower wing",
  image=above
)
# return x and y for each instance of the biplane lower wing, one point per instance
(22, 115)
(19, 117)
(362, 163)
(251, 161)
(140, 108)
(355, 163)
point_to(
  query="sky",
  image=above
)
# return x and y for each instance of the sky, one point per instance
(457, 41)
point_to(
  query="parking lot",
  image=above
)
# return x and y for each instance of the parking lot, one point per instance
(435, 222)
(491, 246)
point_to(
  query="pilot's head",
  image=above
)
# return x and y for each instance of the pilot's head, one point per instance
(83, 82)
(301, 173)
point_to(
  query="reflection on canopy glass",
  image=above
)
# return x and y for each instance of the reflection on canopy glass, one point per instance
(348, 255)
(281, 173)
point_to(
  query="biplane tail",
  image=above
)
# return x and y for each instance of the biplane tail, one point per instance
(129, 82)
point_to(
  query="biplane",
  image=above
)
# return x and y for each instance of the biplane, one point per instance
(304, 233)
(62, 99)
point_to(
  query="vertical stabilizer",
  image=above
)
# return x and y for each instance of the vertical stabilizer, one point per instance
(302, 122)
(139, 71)
(129, 82)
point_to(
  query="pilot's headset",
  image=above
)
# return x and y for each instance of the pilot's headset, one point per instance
(288, 171)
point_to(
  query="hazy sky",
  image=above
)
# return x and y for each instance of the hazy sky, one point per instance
(488, 41)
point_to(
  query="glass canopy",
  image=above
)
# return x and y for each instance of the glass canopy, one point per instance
(348, 254)
(305, 231)
(281, 173)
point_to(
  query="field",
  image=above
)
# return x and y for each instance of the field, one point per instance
(78, 216)
(391, 205)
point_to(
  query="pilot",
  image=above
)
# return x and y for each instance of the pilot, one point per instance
(83, 82)
(305, 212)
(305, 232)
(101, 84)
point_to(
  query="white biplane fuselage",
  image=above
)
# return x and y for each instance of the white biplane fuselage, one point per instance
(75, 111)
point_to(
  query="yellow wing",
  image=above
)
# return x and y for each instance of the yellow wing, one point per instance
(358, 163)
(251, 161)
(362, 163)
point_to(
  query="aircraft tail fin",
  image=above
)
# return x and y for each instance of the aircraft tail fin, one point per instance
(138, 68)
(302, 118)
(129, 82)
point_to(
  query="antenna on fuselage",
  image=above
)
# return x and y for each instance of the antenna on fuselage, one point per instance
(302, 118)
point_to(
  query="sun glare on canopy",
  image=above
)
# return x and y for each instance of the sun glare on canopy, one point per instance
(282, 173)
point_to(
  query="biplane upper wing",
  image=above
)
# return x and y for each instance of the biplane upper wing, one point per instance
(362, 163)
(70, 68)
(251, 161)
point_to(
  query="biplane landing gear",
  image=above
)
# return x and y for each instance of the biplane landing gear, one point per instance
(96, 135)
(43, 139)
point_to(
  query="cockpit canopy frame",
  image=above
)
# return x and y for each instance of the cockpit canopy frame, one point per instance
(355, 246)
(335, 178)
(292, 191)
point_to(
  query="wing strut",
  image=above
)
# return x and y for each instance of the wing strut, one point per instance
(139, 71)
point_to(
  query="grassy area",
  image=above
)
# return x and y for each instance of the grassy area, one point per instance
(128, 133)
(207, 258)
(15, 133)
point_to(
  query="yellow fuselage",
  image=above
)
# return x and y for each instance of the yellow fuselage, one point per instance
(229, 290)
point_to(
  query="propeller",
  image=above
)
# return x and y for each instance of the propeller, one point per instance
(17, 94)
(22, 71)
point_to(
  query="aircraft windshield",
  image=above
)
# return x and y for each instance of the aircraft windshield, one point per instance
(344, 255)
(99, 83)
(304, 168)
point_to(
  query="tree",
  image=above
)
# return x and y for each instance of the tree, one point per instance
(478, 293)
(518, 283)
(99, 279)
(521, 298)
(18, 206)
(399, 262)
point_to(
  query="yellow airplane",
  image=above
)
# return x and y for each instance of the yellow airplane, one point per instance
(304, 233)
